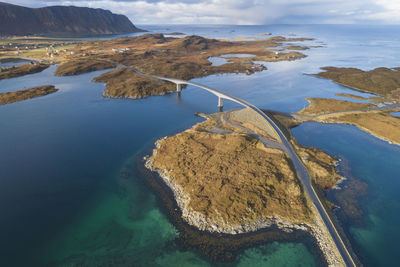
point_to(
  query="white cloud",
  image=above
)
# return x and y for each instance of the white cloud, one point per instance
(243, 11)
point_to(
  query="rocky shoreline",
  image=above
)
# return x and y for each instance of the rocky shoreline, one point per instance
(202, 223)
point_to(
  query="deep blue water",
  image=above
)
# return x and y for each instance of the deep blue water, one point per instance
(377, 163)
(63, 202)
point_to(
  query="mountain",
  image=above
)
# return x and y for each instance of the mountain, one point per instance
(61, 20)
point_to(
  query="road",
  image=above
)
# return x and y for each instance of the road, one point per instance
(301, 170)
(267, 142)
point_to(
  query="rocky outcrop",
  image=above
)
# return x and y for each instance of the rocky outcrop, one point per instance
(61, 20)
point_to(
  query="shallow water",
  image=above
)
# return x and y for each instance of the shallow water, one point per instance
(63, 199)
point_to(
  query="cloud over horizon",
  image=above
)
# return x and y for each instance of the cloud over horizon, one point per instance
(241, 11)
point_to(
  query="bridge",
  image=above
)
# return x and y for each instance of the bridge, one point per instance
(301, 170)
(221, 95)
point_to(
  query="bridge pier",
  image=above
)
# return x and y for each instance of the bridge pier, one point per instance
(178, 88)
(220, 103)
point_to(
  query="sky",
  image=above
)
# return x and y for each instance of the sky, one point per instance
(242, 12)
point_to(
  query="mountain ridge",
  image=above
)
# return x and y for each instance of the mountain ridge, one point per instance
(61, 20)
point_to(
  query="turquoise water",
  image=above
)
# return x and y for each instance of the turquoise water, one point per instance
(64, 202)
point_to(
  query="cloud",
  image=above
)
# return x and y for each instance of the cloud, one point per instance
(242, 11)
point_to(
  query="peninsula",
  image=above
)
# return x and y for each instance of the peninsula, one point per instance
(13, 72)
(20, 95)
(373, 114)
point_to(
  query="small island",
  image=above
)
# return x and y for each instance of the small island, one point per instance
(20, 95)
(227, 179)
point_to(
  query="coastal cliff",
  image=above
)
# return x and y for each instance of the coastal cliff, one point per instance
(61, 20)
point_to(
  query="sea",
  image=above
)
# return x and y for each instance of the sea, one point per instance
(64, 198)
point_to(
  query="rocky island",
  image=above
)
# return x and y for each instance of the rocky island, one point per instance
(226, 180)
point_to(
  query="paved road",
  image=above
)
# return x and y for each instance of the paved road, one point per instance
(267, 142)
(298, 164)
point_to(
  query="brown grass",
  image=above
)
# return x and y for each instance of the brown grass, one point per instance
(321, 166)
(232, 178)
(380, 124)
(20, 95)
(352, 96)
(326, 105)
(22, 70)
(184, 58)
(87, 64)
(296, 47)
(125, 83)
(381, 81)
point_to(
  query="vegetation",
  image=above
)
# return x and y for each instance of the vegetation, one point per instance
(125, 83)
(296, 47)
(380, 81)
(377, 122)
(353, 96)
(20, 95)
(74, 67)
(183, 58)
(326, 105)
(22, 70)
(320, 165)
(381, 124)
(233, 178)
